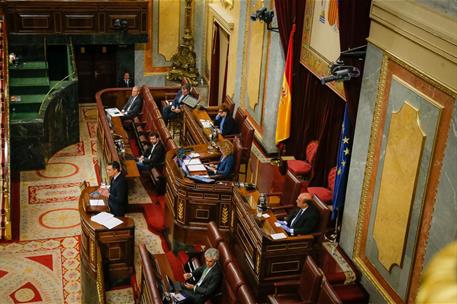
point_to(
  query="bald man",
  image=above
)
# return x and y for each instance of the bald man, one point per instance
(304, 219)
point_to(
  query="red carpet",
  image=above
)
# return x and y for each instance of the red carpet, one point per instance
(176, 266)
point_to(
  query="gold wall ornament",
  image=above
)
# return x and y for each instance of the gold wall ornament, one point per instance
(184, 62)
(398, 185)
(180, 210)
(225, 215)
(92, 251)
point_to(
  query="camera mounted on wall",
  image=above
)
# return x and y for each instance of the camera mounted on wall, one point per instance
(264, 15)
(339, 71)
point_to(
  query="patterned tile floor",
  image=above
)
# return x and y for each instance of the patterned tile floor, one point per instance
(43, 267)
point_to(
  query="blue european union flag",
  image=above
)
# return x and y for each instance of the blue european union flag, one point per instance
(342, 165)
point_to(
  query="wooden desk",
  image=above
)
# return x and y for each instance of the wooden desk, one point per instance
(193, 131)
(130, 166)
(106, 254)
(191, 205)
(263, 259)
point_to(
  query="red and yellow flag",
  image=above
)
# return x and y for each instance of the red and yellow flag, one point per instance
(285, 102)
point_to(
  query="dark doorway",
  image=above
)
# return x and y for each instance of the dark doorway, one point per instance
(96, 65)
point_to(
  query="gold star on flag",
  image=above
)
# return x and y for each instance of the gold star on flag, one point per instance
(346, 140)
(343, 163)
(339, 171)
(346, 151)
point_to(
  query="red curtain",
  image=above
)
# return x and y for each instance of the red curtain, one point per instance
(354, 28)
(214, 73)
(317, 112)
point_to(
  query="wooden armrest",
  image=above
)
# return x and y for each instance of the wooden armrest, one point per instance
(286, 286)
(286, 283)
(289, 206)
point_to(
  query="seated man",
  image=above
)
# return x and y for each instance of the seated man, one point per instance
(204, 282)
(224, 168)
(134, 104)
(126, 81)
(304, 219)
(225, 121)
(154, 156)
(172, 110)
(118, 192)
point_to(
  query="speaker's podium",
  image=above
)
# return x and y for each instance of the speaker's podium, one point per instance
(106, 254)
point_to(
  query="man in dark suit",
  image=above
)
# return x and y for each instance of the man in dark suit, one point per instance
(126, 81)
(118, 192)
(225, 121)
(154, 156)
(174, 108)
(134, 104)
(204, 282)
(304, 219)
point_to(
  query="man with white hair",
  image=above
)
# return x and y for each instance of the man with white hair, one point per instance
(206, 280)
(304, 219)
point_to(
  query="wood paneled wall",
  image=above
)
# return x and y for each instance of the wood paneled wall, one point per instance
(75, 17)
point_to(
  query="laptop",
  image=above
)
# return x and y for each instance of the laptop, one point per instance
(190, 101)
(174, 285)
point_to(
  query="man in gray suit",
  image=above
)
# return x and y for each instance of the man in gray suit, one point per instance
(134, 104)
(206, 280)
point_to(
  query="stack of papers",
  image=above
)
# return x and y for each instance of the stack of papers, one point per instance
(114, 112)
(196, 168)
(106, 219)
(96, 202)
(278, 236)
(206, 123)
(192, 161)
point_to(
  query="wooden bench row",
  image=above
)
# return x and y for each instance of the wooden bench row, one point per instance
(234, 288)
(150, 120)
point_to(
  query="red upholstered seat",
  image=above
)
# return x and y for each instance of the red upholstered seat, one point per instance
(304, 291)
(304, 167)
(325, 194)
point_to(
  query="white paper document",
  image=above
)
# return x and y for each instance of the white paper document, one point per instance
(96, 202)
(112, 222)
(206, 123)
(106, 219)
(192, 161)
(178, 296)
(278, 236)
(114, 112)
(195, 168)
(194, 155)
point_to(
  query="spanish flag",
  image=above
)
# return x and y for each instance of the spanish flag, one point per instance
(285, 102)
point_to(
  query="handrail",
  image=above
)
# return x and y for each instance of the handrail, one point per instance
(5, 207)
(71, 75)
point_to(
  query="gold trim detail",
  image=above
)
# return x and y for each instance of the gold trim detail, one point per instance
(413, 69)
(92, 251)
(257, 263)
(310, 58)
(180, 210)
(380, 100)
(225, 215)
(393, 209)
(183, 63)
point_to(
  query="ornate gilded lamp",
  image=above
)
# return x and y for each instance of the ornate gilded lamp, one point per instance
(184, 62)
